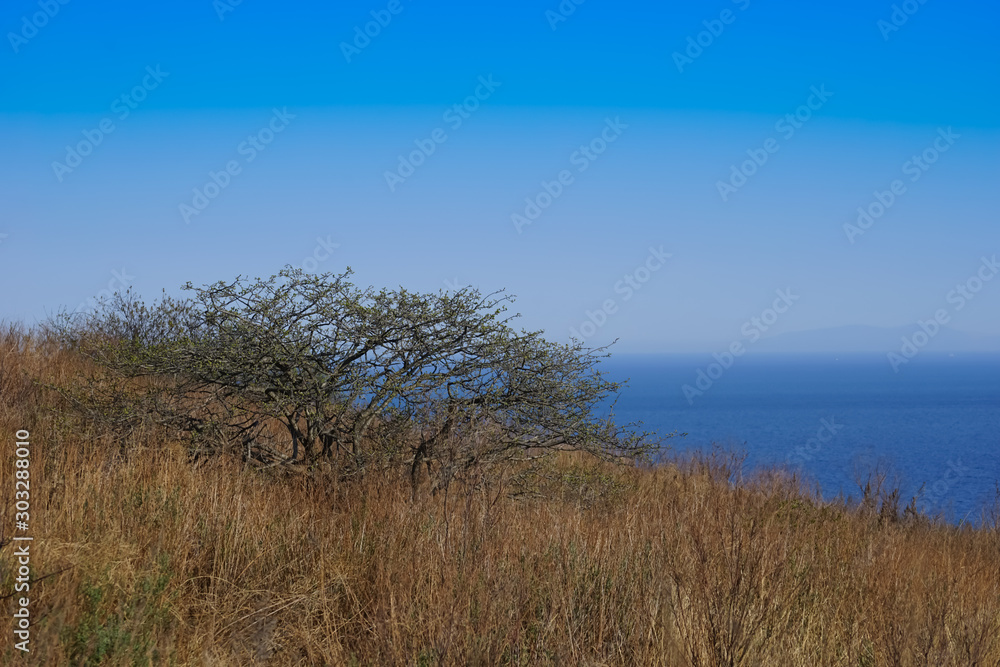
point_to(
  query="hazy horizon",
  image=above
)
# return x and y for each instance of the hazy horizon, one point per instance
(661, 176)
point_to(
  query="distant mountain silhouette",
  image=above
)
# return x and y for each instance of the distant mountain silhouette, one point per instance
(859, 338)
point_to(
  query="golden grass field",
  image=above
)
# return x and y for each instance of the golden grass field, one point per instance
(144, 557)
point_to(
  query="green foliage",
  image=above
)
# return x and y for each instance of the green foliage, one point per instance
(121, 631)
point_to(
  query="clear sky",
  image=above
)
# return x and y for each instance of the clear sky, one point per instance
(664, 167)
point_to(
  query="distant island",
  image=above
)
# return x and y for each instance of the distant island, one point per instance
(860, 338)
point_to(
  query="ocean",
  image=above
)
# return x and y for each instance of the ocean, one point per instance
(935, 422)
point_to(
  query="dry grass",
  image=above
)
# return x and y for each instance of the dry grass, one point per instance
(161, 561)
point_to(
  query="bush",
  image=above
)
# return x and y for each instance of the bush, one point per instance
(351, 375)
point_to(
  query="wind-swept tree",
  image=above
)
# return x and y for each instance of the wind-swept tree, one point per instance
(343, 368)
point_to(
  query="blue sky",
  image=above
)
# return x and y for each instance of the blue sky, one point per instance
(669, 126)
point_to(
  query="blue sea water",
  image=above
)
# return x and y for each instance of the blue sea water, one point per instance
(935, 422)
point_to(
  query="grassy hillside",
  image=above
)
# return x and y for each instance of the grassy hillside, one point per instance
(142, 555)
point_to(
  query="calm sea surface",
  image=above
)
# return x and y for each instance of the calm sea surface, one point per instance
(936, 421)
